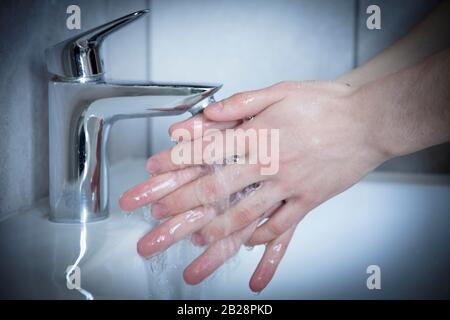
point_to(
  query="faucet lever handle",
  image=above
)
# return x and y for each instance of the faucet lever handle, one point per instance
(79, 57)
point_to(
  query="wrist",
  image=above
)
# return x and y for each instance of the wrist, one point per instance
(375, 130)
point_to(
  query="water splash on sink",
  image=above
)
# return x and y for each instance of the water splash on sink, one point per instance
(164, 271)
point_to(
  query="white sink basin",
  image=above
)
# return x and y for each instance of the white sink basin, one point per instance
(398, 222)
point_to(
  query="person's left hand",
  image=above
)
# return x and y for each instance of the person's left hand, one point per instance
(328, 140)
(193, 221)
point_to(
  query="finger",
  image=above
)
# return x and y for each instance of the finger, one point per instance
(214, 147)
(197, 126)
(206, 190)
(215, 255)
(270, 260)
(199, 240)
(251, 207)
(162, 162)
(290, 214)
(246, 104)
(157, 187)
(173, 230)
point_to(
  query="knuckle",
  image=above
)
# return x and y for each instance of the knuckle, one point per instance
(207, 191)
(240, 97)
(213, 233)
(259, 237)
(209, 188)
(226, 103)
(170, 206)
(284, 189)
(255, 168)
(275, 228)
(243, 216)
(262, 204)
(285, 84)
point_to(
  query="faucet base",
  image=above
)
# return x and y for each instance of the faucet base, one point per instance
(75, 221)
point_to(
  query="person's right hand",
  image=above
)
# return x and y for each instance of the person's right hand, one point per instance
(328, 141)
(172, 230)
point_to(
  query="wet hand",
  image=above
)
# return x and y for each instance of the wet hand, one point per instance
(181, 226)
(325, 146)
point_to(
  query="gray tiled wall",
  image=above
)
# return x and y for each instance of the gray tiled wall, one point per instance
(27, 28)
(243, 44)
(246, 45)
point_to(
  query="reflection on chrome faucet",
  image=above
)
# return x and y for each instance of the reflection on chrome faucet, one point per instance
(82, 108)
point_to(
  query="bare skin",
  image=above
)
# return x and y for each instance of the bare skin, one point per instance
(428, 37)
(331, 135)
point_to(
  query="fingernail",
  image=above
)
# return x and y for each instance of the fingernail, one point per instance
(125, 203)
(152, 165)
(215, 107)
(159, 210)
(145, 250)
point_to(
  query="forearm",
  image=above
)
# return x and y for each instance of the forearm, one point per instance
(429, 37)
(409, 110)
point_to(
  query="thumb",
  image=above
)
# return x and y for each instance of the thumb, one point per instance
(245, 104)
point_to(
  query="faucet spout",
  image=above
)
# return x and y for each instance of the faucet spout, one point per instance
(82, 108)
(81, 116)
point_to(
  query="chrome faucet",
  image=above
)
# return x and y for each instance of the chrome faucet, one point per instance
(82, 108)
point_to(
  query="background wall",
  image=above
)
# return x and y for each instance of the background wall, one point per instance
(27, 28)
(243, 44)
(398, 17)
(246, 45)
